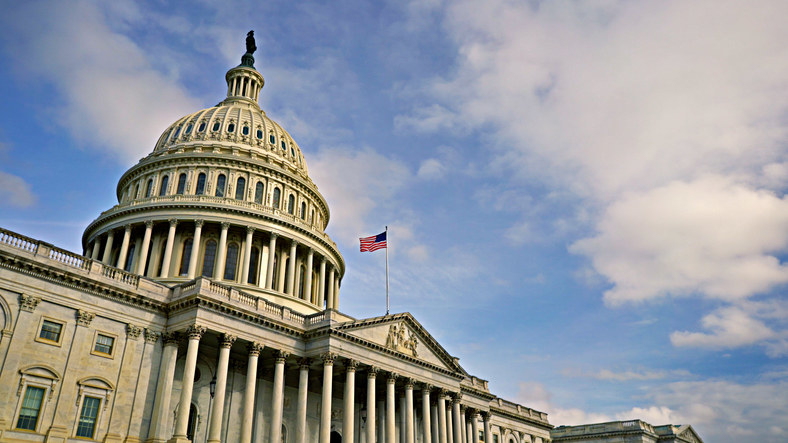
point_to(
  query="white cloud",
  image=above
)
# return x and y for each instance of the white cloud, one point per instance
(431, 169)
(15, 191)
(730, 327)
(109, 94)
(666, 119)
(654, 415)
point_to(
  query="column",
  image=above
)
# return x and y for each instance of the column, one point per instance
(195, 249)
(308, 279)
(247, 255)
(96, 248)
(291, 273)
(269, 276)
(108, 248)
(425, 411)
(487, 430)
(165, 266)
(435, 425)
(217, 412)
(195, 333)
(325, 411)
(350, 394)
(371, 377)
(409, 428)
(449, 423)
(464, 421)
(390, 405)
(161, 402)
(455, 412)
(402, 425)
(277, 396)
(330, 295)
(143, 260)
(303, 389)
(442, 416)
(124, 247)
(474, 427)
(221, 253)
(336, 292)
(247, 418)
(381, 427)
(281, 278)
(321, 285)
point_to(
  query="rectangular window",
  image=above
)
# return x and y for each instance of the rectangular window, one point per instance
(51, 331)
(31, 408)
(495, 438)
(87, 417)
(104, 344)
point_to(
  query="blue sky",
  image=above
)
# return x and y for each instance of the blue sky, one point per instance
(586, 200)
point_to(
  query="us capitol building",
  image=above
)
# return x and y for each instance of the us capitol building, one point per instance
(206, 308)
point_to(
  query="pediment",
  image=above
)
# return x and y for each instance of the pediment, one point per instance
(402, 334)
(688, 434)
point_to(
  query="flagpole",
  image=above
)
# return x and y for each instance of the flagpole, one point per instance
(387, 270)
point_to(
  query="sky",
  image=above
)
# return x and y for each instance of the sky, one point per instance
(586, 200)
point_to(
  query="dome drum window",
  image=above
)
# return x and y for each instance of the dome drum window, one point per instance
(216, 126)
(259, 134)
(201, 128)
(245, 130)
(272, 139)
(231, 127)
(221, 181)
(189, 128)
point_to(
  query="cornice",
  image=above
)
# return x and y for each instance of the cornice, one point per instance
(517, 417)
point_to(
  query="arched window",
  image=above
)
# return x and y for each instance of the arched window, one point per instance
(284, 146)
(177, 132)
(272, 139)
(290, 204)
(220, 182)
(254, 257)
(186, 256)
(312, 217)
(209, 258)
(163, 187)
(201, 128)
(181, 184)
(129, 258)
(200, 184)
(240, 188)
(301, 276)
(231, 262)
(258, 193)
(292, 152)
(277, 197)
(245, 130)
(303, 210)
(260, 134)
(216, 126)
(149, 188)
(231, 127)
(189, 129)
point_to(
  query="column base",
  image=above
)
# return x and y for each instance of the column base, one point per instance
(113, 438)
(179, 439)
(132, 440)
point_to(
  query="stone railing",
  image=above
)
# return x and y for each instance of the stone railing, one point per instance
(226, 201)
(515, 408)
(255, 303)
(614, 427)
(45, 252)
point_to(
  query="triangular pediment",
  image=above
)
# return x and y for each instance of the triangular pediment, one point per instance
(687, 433)
(402, 334)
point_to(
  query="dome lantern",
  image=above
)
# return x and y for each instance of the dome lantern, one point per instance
(243, 81)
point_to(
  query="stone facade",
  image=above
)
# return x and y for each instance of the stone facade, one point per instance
(631, 431)
(206, 309)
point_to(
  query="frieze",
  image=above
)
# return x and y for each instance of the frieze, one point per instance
(402, 340)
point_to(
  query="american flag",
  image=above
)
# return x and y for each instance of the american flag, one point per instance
(373, 243)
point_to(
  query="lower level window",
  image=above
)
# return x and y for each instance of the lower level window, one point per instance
(87, 417)
(104, 344)
(31, 408)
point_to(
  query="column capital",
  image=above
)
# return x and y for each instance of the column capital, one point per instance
(311, 252)
(409, 382)
(173, 222)
(304, 363)
(195, 332)
(225, 226)
(151, 336)
(226, 340)
(170, 338)
(455, 398)
(323, 260)
(392, 378)
(293, 243)
(281, 355)
(133, 331)
(427, 387)
(351, 365)
(199, 222)
(274, 235)
(485, 416)
(443, 393)
(372, 372)
(255, 348)
(128, 227)
(148, 223)
(28, 302)
(328, 358)
(250, 230)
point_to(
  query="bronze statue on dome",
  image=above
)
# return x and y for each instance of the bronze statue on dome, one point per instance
(250, 46)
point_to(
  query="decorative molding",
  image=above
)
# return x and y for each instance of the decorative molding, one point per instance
(173, 222)
(372, 372)
(28, 302)
(84, 317)
(409, 382)
(199, 222)
(281, 356)
(151, 336)
(133, 331)
(351, 365)
(304, 363)
(226, 340)
(392, 377)
(195, 332)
